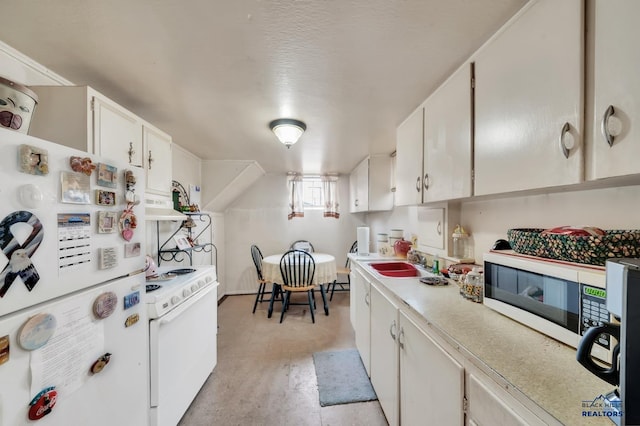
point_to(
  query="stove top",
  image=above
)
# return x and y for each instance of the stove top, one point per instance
(174, 291)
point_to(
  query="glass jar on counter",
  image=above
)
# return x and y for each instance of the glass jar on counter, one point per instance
(460, 242)
(473, 285)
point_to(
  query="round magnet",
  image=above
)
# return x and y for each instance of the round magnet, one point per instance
(43, 403)
(105, 304)
(100, 363)
(37, 331)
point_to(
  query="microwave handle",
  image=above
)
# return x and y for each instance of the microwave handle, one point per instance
(583, 355)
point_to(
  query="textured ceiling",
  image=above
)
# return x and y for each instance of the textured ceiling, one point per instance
(214, 73)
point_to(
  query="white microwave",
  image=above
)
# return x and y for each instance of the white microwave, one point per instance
(558, 299)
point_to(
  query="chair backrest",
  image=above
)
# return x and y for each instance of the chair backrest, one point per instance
(256, 254)
(297, 268)
(303, 245)
(353, 249)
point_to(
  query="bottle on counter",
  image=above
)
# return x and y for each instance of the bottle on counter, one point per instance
(460, 242)
(435, 268)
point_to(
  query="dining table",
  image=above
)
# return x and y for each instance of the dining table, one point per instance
(325, 273)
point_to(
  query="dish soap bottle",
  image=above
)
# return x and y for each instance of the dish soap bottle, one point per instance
(435, 267)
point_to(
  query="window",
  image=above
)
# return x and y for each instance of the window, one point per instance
(312, 192)
(312, 197)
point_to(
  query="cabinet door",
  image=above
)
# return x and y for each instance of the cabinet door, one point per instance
(362, 319)
(529, 101)
(616, 84)
(486, 407)
(359, 184)
(432, 382)
(116, 133)
(409, 160)
(384, 354)
(380, 195)
(447, 139)
(157, 148)
(431, 227)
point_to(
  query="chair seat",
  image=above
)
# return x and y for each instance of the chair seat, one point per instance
(294, 289)
(343, 270)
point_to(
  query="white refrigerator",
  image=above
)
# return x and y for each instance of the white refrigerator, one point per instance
(73, 325)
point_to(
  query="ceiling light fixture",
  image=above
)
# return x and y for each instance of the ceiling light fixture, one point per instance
(288, 130)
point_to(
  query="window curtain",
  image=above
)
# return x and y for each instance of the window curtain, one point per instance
(296, 204)
(330, 193)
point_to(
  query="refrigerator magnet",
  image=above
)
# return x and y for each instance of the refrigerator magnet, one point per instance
(82, 165)
(131, 319)
(107, 175)
(105, 198)
(127, 223)
(37, 331)
(43, 403)
(105, 305)
(5, 348)
(34, 161)
(131, 299)
(100, 363)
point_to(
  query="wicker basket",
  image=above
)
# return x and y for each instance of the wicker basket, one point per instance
(592, 250)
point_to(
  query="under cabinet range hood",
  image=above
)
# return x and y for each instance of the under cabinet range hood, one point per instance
(161, 209)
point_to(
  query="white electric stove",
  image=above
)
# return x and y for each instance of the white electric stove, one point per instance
(183, 328)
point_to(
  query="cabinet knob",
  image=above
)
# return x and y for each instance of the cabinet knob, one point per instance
(150, 160)
(392, 330)
(426, 182)
(563, 147)
(401, 338)
(608, 137)
(131, 152)
(418, 184)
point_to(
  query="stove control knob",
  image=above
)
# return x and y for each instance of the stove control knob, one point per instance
(201, 284)
(194, 287)
(209, 278)
(186, 292)
(175, 299)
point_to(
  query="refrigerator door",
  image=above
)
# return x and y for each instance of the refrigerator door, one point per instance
(115, 393)
(50, 248)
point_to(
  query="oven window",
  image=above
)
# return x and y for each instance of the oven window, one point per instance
(554, 299)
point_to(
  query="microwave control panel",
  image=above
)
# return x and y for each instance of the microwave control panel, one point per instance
(593, 311)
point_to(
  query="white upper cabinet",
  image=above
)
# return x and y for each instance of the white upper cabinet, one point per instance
(157, 150)
(447, 139)
(615, 58)
(82, 118)
(409, 142)
(370, 185)
(529, 100)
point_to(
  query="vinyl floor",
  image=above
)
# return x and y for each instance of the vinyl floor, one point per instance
(265, 373)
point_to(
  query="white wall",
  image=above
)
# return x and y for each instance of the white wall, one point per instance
(488, 220)
(260, 217)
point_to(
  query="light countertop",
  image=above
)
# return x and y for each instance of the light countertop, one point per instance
(539, 369)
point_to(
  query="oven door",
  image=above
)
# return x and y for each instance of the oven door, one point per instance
(183, 354)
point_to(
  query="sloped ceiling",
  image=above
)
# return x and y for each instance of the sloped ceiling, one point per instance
(214, 73)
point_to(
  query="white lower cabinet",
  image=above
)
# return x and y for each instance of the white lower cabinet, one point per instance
(384, 354)
(420, 378)
(361, 288)
(431, 381)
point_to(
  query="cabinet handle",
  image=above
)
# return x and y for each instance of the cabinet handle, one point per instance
(426, 182)
(563, 147)
(150, 160)
(401, 338)
(366, 299)
(392, 330)
(131, 152)
(605, 125)
(356, 203)
(439, 228)
(418, 184)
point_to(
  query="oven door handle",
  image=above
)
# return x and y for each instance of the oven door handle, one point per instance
(172, 315)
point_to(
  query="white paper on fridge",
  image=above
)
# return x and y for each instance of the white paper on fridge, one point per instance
(65, 360)
(74, 240)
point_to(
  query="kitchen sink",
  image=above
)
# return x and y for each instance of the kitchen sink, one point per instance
(395, 269)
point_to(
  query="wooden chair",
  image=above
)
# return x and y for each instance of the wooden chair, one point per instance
(256, 254)
(297, 268)
(303, 245)
(346, 270)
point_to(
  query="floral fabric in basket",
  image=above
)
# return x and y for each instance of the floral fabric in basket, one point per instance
(591, 250)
